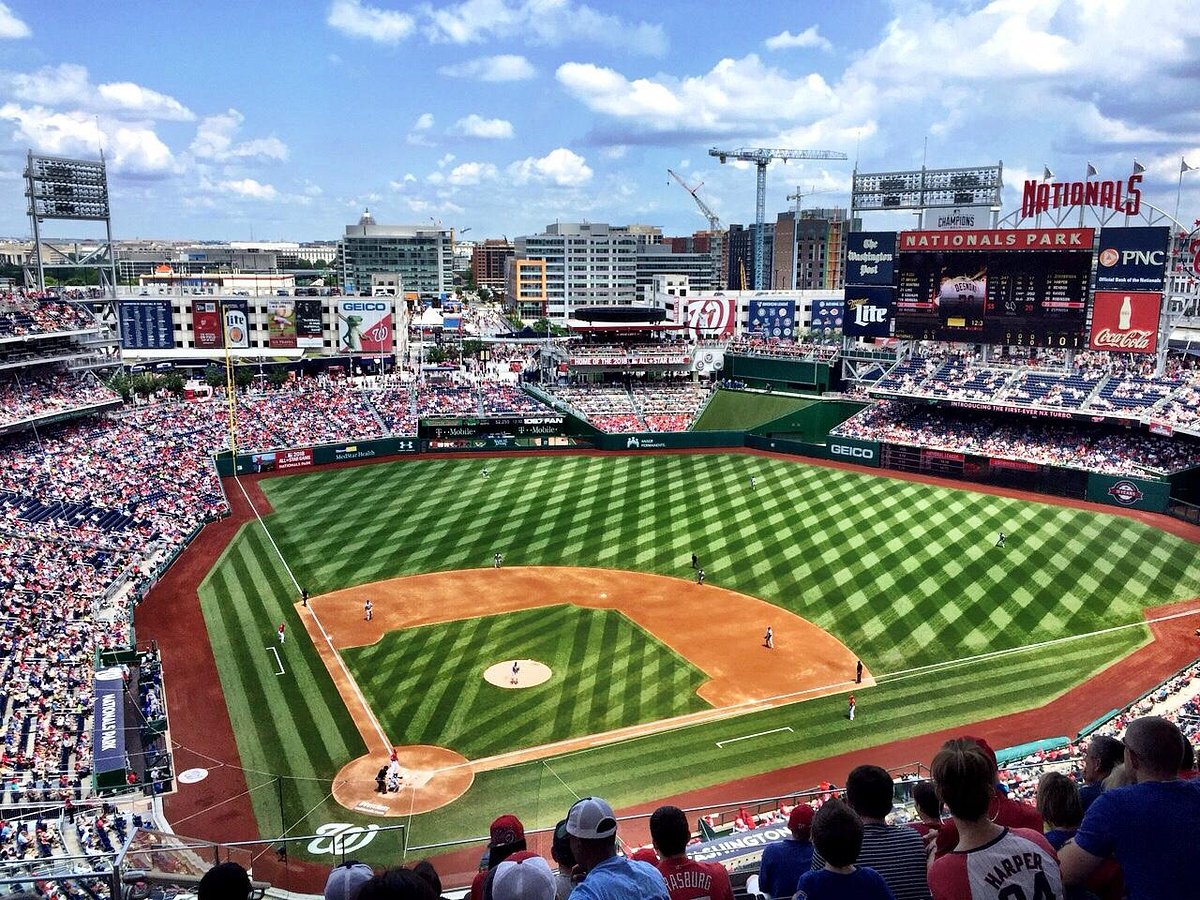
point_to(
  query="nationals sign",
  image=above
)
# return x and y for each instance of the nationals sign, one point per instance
(1125, 321)
(708, 317)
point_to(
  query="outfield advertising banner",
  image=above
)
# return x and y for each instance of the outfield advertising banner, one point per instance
(871, 257)
(827, 314)
(773, 318)
(365, 324)
(1125, 322)
(707, 317)
(300, 458)
(870, 310)
(310, 323)
(1132, 259)
(108, 727)
(281, 324)
(146, 325)
(237, 323)
(207, 333)
(1130, 493)
(865, 453)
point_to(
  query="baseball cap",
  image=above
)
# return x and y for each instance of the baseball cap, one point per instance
(523, 876)
(801, 818)
(346, 880)
(591, 819)
(507, 829)
(560, 849)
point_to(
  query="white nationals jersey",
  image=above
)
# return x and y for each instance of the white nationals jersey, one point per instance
(1018, 865)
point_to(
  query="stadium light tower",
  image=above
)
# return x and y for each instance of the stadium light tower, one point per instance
(761, 156)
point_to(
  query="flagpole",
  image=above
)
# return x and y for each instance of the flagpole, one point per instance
(1179, 188)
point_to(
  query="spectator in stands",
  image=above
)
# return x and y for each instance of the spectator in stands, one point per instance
(897, 853)
(929, 809)
(1001, 809)
(224, 881)
(1103, 754)
(592, 828)
(396, 884)
(990, 859)
(686, 879)
(425, 869)
(783, 862)
(507, 836)
(1058, 802)
(838, 836)
(346, 880)
(523, 876)
(1150, 826)
(560, 852)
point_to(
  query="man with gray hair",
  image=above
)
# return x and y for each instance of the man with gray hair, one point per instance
(1150, 826)
(1103, 754)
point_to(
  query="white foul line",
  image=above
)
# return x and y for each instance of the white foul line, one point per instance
(746, 737)
(278, 661)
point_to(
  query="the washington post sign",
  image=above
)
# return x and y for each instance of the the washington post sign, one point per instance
(870, 286)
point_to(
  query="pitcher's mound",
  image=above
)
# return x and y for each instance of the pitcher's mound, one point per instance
(529, 673)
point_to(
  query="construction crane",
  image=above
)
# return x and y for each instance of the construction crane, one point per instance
(801, 194)
(760, 156)
(714, 222)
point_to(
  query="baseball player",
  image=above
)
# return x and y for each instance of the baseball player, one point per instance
(484, 473)
(851, 707)
(699, 576)
(769, 639)
(1000, 541)
(368, 608)
(753, 482)
(282, 627)
(516, 671)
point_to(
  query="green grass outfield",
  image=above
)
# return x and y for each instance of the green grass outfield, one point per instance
(742, 410)
(905, 574)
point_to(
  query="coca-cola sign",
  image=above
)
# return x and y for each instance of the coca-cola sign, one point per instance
(1125, 321)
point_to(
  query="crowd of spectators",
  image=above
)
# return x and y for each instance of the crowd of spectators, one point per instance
(784, 349)
(1051, 443)
(652, 406)
(37, 393)
(28, 314)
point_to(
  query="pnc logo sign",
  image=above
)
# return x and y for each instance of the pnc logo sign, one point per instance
(851, 452)
(1111, 256)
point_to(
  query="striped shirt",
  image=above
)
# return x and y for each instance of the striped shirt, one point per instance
(897, 853)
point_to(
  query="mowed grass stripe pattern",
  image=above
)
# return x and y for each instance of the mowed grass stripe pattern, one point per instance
(607, 673)
(904, 573)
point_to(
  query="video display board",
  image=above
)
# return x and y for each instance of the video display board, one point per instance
(309, 322)
(146, 325)
(1024, 288)
(281, 324)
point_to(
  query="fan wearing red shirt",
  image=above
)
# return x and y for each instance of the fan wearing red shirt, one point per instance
(686, 878)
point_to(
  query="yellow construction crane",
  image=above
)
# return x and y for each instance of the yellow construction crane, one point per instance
(760, 156)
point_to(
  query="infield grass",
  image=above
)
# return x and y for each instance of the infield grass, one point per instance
(905, 574)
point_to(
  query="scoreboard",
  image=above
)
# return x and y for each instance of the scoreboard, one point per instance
(1020, 288)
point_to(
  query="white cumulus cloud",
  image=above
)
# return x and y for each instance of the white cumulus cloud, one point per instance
(469, 173)
(130, 148)
(560, 167)
(249, 188)
(479, 127)
(506, 67)
(383, 26)
(68, 84)
(809, 37)
(214, 140)
(10, 25)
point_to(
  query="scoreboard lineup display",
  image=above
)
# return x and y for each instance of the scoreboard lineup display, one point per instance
(1020, 288)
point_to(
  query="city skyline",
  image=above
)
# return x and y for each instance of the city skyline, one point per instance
(496, 117)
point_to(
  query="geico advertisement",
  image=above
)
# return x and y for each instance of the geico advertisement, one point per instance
(365, 326)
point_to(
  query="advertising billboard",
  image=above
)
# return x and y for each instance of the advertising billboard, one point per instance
(871, 257)
(207, 330)
(237, 322)
(281, 323)
(1132, 259)
(708, 317)
(108, 723)
(827, 314)
(1016, 287)
(773, 318)
(365, 324)
(145, 325)
(870, 310)
(956, 218)
(309, 323)
(1125, 321)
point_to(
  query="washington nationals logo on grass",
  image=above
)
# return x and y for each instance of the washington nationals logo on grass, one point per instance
(341, 838)
(1125, 492)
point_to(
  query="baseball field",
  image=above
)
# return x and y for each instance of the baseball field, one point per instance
(597, 586)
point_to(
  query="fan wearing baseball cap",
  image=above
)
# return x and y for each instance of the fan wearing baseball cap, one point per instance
(687, 879)
(592, 829)
(523, 876)
(783, 862)
(507, 837)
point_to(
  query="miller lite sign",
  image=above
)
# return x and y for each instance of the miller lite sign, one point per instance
(870, 309)
(1125, 321)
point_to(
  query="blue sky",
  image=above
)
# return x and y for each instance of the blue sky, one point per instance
(281, 121)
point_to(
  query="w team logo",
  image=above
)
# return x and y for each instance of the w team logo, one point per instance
(710, 317)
